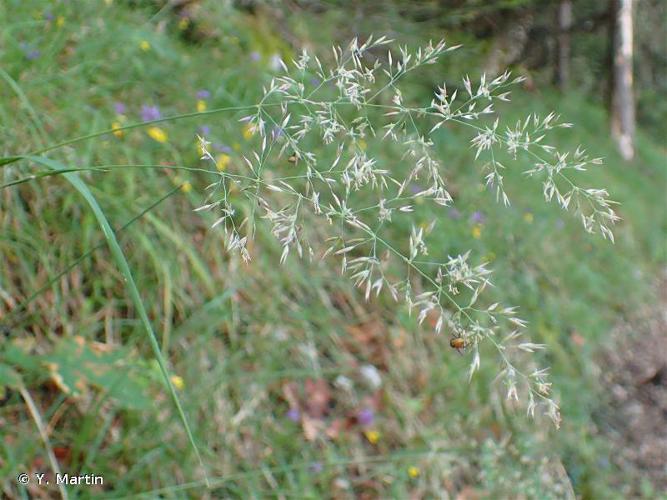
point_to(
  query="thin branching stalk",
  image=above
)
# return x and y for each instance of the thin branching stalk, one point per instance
(360, 194)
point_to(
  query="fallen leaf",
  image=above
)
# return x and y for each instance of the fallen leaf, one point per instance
(335, 428)
(318, 396)
(311, 427)
(290, 395)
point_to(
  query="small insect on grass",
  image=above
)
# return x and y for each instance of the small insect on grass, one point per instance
(293, 158)
(458, 343)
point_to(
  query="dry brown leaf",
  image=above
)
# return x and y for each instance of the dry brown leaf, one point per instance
(318, 396)
(335, 428)
(311, 427)
(290, 393)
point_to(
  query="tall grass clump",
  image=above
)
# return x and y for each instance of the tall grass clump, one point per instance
(341, 155)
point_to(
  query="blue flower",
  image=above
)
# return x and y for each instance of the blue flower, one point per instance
(150, 113)
(477, 217)
(366, 417)
(294, 414)
(277, 132)
(316, 467)
(454, 213)
(119, 108)
(29, 52)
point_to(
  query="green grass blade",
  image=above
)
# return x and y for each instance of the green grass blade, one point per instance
(121, 262)
(385, 459)
(12, 159)
(13, 317)
(25, 102)
(131, 126)
(9, 159)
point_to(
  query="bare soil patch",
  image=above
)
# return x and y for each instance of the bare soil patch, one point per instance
(634, 373)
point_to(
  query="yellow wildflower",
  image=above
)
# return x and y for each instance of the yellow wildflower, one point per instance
(413, 472)
(117, 131)
(236, 146)
(60, 21)
(178, 382)
(362, 144)
(528, 217)
(223, 161)
(477, 231)
(108, 2)
(183, 23)
(201, 106)
(248, 131)
(157, 134)
(372, 436)
(145, 45)
(186, 187)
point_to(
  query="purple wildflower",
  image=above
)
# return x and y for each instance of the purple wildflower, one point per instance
(119, 108)
(204, 130)
(277, 132)
(48, 15)
(294, 414)
(203, 94)
(454, 213)
(28, 51)
(315, 81)
(150, 113)
(477, 217)
(254, 55)
(366, 417)
(316, 467)
(222, 148)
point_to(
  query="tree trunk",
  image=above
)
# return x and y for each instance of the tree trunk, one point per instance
(622, 99)
(563, 43)
(508, 46)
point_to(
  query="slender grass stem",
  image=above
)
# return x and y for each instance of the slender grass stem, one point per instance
(132, 289)
(39, 422)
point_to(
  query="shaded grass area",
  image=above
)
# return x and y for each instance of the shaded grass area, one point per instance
(247, 344)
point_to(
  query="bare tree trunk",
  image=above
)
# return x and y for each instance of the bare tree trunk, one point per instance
(563, 55)
(622, 100)
(508, 46)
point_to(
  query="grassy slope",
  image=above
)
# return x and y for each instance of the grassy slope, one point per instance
(237, 335)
